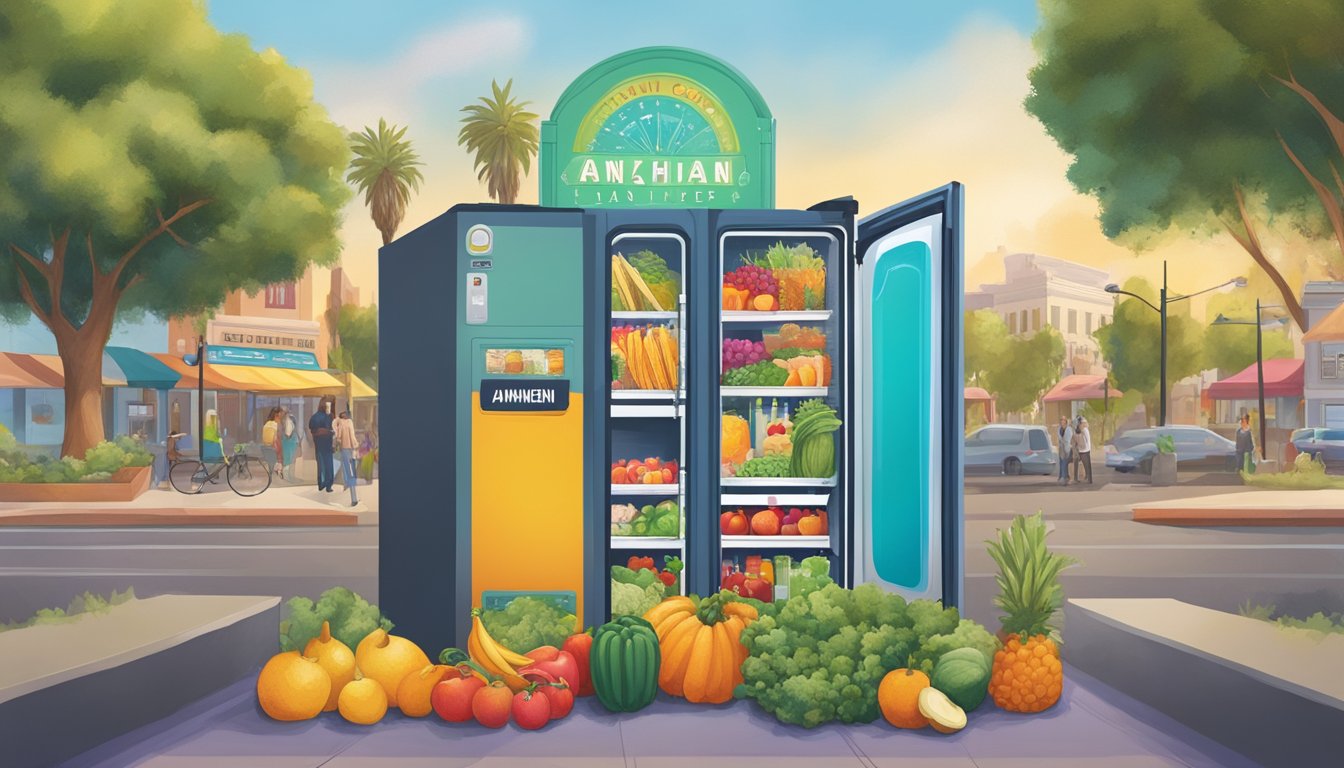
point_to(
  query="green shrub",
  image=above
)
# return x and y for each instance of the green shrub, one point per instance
(80, 605)
(1307, 474)
(98, 465)
(351, 618)
(1326, 623)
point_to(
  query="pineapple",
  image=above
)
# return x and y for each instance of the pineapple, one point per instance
(1027, 676)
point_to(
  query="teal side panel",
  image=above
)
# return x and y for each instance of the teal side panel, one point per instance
(900, 415)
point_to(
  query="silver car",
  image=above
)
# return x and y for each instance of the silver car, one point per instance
(1011, 449)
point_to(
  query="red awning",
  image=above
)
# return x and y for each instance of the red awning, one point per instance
(1283, 378)
(1080, 387)
(972, 394)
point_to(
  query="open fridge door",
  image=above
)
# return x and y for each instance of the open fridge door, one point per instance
(905, 403)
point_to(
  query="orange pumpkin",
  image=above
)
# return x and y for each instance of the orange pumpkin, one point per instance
(898, 698)
(700, 645)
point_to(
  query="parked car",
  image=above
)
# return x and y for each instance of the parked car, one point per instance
(1012, 449)
(1327, 445)
(1196, 448)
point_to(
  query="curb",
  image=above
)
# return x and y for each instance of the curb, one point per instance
(1247, 516)
(176, 516)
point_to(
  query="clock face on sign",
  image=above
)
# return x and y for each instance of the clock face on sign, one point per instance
(656, 126)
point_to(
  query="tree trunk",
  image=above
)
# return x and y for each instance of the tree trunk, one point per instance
(82, 357)
(1250, 241)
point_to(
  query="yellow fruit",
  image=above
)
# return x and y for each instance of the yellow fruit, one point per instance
(1027, 677)
(898, 697)
(942, 714)
(413, 692)
(363, 702)
(292, 687)
(387, 659)
(336, 658)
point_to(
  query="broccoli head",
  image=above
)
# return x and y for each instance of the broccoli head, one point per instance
(351, 618)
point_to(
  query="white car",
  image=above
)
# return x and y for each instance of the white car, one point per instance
(1011, 449)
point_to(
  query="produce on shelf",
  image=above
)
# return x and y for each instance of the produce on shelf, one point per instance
(739, 352)
(663, 283)
(350, 617)
(736, 439)
(814, 425)
(528, 622)
(806, 371)
(631, 293)
(551, 662)
(492, 704)
(292, 687)
(1026, 673)
(733, 523)
(968, 634)
(765, 466)
(822, 655)
(766, 522)
(701, 646)
(650, 471)
(670, 576)
(493, 657)
(807, 340)
(944, 715)
(801, 275)
(777, 445)
(761, 374)
(530, 709)
(415, 689)
(898, 697)
(812, 575)
(648, 355)
(963, 674)
(387, 659)
(451, 698)
(335, 658)
(625, 664)
(580, 645)
(634, 592)
(750, 287)
(363, 702)
(664, 520)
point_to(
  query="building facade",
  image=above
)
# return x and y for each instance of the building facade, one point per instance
(1323, 375)
(1040, 291)
(279, 317)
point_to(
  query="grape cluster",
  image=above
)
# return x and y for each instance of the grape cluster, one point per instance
(756, 280)
(740, 352)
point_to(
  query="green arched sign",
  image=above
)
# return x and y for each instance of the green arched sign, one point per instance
(659, 128)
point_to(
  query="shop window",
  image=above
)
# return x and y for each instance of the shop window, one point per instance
(1073, 321)
(1024, 321)
(1329, 366)
(280, 296)
(1088, 324)
(1054, 317)
(1012, 322)
(1036, 319)
(525, 362)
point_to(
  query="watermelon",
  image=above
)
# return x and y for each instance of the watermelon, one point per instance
(963, 674)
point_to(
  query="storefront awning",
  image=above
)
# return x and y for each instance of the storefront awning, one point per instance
(360, 390)
(280, 381)
(972, 394)
(139, 369)
(1283, 378)
(21, 371)
(214, 380)
(1080, 386)
(1330, 328)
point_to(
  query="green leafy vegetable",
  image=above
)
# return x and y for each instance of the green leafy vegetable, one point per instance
(774, 465)
(813, 442)
(351, 618)
(968, 634)
(762, 374)
(527, 623)
(633, 593)
(812, 574)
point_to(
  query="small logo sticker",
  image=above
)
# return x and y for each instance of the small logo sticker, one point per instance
(480, 240)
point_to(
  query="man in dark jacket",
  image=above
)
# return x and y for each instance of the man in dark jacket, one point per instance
(1245, 444)
(320, 428)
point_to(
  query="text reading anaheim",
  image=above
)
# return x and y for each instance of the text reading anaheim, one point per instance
(539, 395)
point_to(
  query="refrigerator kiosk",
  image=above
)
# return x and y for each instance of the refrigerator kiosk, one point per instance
(528, 354)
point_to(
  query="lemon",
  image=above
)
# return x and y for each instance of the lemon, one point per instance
(292, 687)
(363, 702)
(387, 659)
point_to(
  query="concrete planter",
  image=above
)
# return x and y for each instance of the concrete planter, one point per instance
(125, 485)
(1164, 469)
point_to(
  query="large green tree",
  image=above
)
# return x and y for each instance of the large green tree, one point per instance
(986, 342)
(1231, 348)
(150, 163)
(503, 138)
(1026, 369)
(358, 352)
(1132, 344)
(1199, 116)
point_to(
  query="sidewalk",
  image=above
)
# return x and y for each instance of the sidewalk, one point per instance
(281, 505)
(1248, 508)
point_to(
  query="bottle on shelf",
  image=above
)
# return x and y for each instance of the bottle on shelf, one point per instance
(783, 571)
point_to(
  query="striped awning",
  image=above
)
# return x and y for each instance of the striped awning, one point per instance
(28, 371)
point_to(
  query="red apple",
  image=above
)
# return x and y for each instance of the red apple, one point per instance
(552, 661)
(491, 705)
(765, 523)
(672, 465)
(795, 514)
(637, 472)
(653, 464)
(618, 475)
(668, 477)
(733, 523)
(451, 698)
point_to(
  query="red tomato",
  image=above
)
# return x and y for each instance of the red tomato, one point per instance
(451, 699)
(554, 662)
(490, 705)
(580, 645)
(531, 710)
(561, 698)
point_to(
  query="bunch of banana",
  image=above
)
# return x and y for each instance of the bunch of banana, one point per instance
(493, 657)
(630, 286)
(652, 357)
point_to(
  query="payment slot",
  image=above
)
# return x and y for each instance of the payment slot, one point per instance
(520, 470)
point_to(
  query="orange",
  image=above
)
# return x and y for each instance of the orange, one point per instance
(898, 698)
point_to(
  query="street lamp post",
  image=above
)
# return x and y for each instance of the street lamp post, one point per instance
(1161, 309)
(1259, 324)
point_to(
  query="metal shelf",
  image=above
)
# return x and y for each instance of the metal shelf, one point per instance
(774, 391)
(777, 482)
(625, 315)
(647, 411)
(775, 500)
(646, 542)
(796, 316)
(776, 542)
(646, 394)
(644, 489)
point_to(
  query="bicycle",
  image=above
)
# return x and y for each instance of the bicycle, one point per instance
(246, 475)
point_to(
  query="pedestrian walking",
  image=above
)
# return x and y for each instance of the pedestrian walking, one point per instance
(1245, 445)
(347, 443)
(270, 440)
(320, 429)
(1065, 449)
(289, 448)
(1082, 450)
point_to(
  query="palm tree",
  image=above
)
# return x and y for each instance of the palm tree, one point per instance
(384, 169)
(504, 138)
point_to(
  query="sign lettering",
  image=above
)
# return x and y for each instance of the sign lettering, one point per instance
(524, 395)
